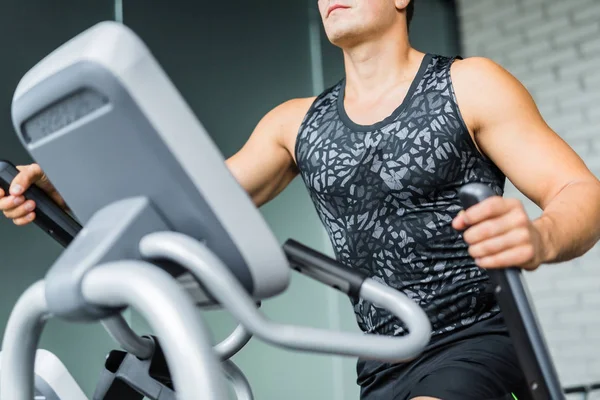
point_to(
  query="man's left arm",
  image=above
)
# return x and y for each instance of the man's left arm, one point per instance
(507, 128)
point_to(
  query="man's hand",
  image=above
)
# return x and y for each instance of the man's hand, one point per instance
(15, 206)
(500, 234)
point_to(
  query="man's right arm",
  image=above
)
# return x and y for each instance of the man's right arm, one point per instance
(265, 165)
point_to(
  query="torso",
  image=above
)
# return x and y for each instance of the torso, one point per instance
(360, 114)
(387, 193)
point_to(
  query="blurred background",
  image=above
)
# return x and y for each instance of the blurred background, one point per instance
(234, 61)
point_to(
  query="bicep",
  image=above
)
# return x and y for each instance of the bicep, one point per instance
(260, 166)
(264, 166)
(509, 129)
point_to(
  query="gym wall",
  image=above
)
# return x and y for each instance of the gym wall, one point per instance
(553, 47)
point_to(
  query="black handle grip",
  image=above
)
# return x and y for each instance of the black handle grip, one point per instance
(323, 268)
(519, 316)
(49, 216)
(474, 193)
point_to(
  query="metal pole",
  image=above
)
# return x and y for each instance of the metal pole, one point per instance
(233, 343)
(129, 341)
(171, 314)
(241, 386)
(21, 337)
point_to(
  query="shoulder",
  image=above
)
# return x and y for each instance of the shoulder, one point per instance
(483, 87)
(479, 73)
(300, 107)
(294, 107)
(288, 116)
(282, 122)
(291, 110)
(476, 63)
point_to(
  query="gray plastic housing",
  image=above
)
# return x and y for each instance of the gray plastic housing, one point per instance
(112, 234)
(105, 123)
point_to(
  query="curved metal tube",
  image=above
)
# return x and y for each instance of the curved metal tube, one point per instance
(129, 341)
(171, 315)
(208, 268)
(241, 386)
(233, 343)
(19, 346)
(143, 348)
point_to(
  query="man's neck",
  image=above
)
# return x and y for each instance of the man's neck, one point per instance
(375, 67)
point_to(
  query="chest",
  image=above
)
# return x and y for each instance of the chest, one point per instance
(405, 158)
(369, 112)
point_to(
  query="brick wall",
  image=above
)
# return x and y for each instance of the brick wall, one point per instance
(553, 48)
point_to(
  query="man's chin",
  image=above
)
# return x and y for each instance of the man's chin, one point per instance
(343, 38)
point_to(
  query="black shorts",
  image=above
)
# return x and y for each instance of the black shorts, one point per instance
(479, 368)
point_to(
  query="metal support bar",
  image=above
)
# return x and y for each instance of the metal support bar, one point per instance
(241, 386)
(20, 342)
(233, 343)
(172, 316)
(129, 341)
(210, 270)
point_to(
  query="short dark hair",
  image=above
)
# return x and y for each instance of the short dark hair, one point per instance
(410, 11)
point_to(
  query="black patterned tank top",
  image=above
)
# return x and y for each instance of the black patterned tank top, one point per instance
(387, 194)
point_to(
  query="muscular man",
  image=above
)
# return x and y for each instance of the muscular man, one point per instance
(383, 154)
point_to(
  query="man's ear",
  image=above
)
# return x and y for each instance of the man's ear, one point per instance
(401, 4)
